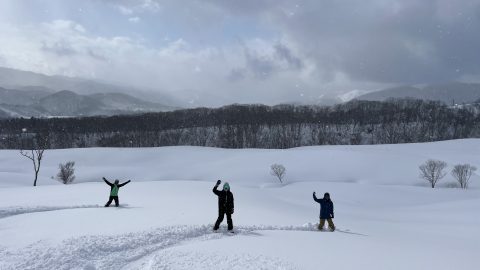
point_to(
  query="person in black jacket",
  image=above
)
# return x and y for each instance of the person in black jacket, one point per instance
(326, 211)
(225, 205)
(114, 191)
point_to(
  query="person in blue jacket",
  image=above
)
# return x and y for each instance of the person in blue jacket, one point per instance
(326, 211)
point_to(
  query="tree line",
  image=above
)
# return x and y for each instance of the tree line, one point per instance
(253, 126)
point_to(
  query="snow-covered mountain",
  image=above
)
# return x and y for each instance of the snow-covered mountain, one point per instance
(67, 103)
(29, 94)
(15, 111)
(15, 79)
(26, 80)
(454, 92)
(25, 96)
(124, 102)
(42, 103)
(351, 95)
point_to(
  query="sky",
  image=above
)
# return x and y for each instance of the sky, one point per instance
(246, 51)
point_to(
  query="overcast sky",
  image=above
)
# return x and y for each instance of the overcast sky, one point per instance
(228, 51)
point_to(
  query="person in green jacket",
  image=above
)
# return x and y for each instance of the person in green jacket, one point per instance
(114, 191)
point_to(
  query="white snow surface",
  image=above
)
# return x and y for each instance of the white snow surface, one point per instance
(345, 97)
(387, 217)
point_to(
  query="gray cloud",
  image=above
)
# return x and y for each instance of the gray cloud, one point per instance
(390, 41)
(284, 53)
(237, 74)
(263, 65)
(260, 66)
(96, 55)
(60, 48)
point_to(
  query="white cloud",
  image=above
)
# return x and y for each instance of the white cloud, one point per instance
(151, 5)
(67, 48)
(125, 10)
(256, 70)
(65, 25)
(134, 19)
(130, 7)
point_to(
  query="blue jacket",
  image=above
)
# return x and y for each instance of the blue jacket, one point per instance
(326, 207)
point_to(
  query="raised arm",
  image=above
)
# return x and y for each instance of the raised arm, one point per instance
(215, 188)
(315, 198)
(121, 185)
(106, 181)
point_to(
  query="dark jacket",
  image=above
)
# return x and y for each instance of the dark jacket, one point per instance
(113, 185)
(326, 207)
(225, 200)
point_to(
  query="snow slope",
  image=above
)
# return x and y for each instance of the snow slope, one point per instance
(375, 164)
(386, 218)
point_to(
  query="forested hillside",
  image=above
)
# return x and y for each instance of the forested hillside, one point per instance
(254, 126)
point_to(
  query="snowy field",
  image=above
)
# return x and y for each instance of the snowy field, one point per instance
(387, 217)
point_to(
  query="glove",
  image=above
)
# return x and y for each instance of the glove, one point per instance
(314, 193)
(218, 182)
(232, 211)
(331, 215)
(104, 178)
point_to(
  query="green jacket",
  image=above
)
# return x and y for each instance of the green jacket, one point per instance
(114, 190)
(114, 187)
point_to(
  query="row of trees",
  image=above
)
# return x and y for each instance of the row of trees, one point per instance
(434, 170)
(253, 126)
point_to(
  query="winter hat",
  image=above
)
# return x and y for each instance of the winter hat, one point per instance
(226, 186)
(116, 181)
(326, 195)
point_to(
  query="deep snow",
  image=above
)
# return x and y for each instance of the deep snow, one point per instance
(387, 217)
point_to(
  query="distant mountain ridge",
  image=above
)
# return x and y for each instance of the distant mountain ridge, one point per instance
(19, 79)
(22, 97)
(449, 93)
(32, 103)
(29, 94)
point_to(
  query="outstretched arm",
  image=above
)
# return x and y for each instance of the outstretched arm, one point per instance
(121, 185)
(106, 181)
(315, 198)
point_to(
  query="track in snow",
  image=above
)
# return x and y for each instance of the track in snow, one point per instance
(142, 250)
(13, 211)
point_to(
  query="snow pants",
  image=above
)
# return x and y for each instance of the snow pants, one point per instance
(221, 214)
(330, 224)
(110, 199)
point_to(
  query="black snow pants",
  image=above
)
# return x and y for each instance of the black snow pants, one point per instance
(110, 199)
(221, 214)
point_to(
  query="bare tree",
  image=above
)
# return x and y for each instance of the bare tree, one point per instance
(35, 155)
(66, 172)
(432, 171)
(463, 172)
(279, 171)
